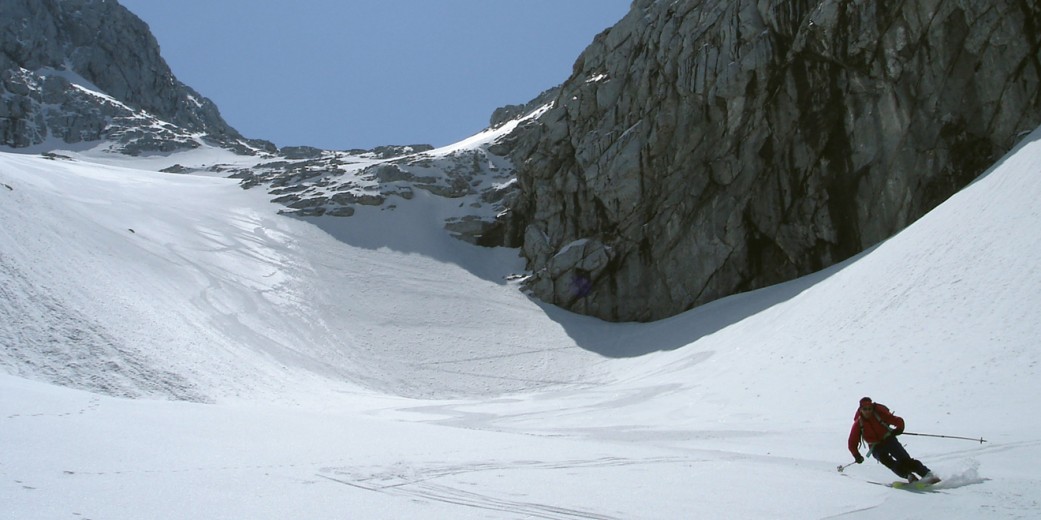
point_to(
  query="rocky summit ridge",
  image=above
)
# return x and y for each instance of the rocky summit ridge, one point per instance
(77, 71)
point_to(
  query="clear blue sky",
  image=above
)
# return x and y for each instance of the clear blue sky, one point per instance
(341, 74)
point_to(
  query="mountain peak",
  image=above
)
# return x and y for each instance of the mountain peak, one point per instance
(89, 70)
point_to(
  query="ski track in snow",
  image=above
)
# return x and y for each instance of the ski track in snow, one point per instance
(422, 484)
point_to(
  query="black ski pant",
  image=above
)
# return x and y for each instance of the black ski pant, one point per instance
(890, 453)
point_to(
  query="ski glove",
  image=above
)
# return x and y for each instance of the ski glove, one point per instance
(859, 459)
(898, 431)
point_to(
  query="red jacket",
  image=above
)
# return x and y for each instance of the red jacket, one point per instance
(873, 428)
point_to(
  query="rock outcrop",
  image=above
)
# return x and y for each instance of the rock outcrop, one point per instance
(89, 70)
(707, 147)
(478, 183)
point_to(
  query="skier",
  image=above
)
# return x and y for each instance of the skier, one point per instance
(878, 427)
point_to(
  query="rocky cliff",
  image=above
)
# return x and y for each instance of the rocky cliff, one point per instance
(89, 70)
(707, 147)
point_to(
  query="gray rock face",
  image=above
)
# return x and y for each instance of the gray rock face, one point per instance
(86, 70)
(707, 147)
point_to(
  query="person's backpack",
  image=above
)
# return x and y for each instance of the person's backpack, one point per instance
(878, 417)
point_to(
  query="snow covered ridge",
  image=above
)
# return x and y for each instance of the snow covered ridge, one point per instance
(336, 183)
(59, 109)
(474, 176)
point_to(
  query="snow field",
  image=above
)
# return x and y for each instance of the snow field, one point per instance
(371, 367)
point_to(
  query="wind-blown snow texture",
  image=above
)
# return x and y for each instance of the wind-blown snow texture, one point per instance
(383, 370)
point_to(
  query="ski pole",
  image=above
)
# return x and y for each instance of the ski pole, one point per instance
(868, 455)
(981, 439)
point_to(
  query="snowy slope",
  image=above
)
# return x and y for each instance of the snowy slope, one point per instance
(202, 281)
(385, 370)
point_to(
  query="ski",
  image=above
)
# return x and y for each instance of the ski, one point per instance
(919, 485)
